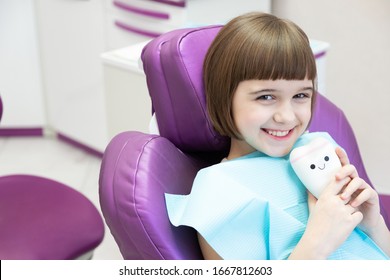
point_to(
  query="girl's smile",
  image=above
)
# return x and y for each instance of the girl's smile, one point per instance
(278, 134)
(270, 115)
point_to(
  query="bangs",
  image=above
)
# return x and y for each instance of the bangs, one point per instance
(280, 55)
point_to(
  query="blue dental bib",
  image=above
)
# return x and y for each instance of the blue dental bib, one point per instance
(255, 207)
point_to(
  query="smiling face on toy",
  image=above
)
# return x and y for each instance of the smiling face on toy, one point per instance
(322, 165)
(315, 164)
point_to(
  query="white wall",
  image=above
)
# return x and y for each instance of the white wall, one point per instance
(358, 68)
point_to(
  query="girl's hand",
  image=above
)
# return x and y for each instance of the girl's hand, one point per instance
(331, 220)
(348, 201)
(359, 194)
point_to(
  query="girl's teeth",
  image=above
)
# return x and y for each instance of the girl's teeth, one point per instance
(278, 133)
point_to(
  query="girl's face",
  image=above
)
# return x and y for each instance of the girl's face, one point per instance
(270, 115)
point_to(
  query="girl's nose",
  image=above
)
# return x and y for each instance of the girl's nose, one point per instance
(284, 114)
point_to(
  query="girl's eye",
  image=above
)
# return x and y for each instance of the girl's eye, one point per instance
(302, 95)
(265, 97)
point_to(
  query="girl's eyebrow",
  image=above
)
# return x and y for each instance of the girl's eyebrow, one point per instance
(270, 90)
(267, 90)
(308, 88)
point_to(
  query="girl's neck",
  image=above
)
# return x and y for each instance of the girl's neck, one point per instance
(239, 148)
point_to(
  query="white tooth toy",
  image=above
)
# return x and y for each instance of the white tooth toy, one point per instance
(315, 164)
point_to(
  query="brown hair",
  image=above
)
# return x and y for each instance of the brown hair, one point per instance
(253, 46)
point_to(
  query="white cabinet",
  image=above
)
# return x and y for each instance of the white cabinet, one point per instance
(20, 76)
(128, 104)
(133, 21)
(72, 37)
(73, 34)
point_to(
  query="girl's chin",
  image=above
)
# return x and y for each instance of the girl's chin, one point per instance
(278, 154)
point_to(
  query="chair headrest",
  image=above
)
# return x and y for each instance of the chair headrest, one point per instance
(173, 64)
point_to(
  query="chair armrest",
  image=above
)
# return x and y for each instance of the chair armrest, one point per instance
(133, 203)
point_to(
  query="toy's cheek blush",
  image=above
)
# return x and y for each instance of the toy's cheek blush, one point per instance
(315, 164)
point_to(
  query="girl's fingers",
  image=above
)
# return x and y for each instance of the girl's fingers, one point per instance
(353, 186)
(357, 192)
(357, 217)
(363, 196)
(350, 209)
(347, 171)
(337, 186)
(342, 156)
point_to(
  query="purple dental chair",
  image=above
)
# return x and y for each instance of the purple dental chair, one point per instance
(41, 219)
(138, 168)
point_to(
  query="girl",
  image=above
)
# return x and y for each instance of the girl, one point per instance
(260, 83)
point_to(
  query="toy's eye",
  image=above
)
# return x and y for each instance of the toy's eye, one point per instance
(326, 158)
(313, 166)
